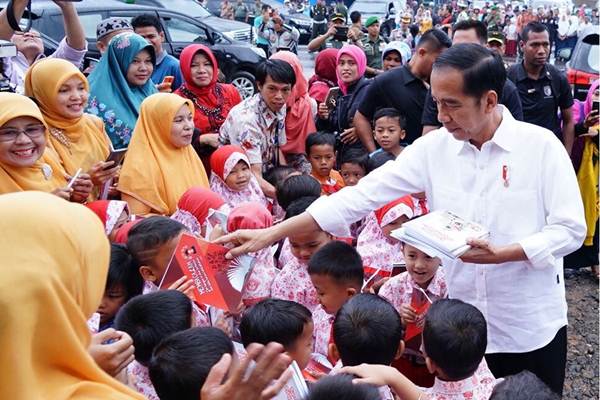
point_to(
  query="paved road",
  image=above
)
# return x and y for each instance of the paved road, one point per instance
(308, 61)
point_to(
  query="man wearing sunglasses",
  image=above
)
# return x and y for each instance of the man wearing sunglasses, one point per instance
(30, 46)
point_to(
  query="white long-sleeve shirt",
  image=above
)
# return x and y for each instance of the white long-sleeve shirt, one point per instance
(540, 209)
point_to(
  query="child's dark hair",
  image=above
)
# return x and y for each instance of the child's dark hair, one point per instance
(367, 329)
(146, 237)
(151, 317)
(298, 206)
(340, 261)
(319, 139)
(295, 187)
(277, 175)
(181, 362)
(378, 159)
(356, 157)
(340, 386)
(523, 386)
(123, 271)
(390, 112)
(455, 337)
(274, 320)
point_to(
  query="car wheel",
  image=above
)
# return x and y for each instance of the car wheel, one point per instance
(244, 83)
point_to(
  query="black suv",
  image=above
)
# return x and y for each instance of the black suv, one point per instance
(237, 60)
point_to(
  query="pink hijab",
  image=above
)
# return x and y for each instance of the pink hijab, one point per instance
(359, 57)
(299, 120)
(587, 106)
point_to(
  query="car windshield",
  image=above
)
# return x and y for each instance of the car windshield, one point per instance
(368, 7)
(191, 8)
(593, 58)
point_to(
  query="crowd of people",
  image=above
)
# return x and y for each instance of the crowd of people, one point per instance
(102, 171)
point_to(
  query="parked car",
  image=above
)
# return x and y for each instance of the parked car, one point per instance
(232, 29)
(293, 18)
(584, 65)
(237, 60)
(370, 8)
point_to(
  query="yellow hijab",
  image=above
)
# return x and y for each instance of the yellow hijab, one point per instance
(83, 141)
(46, 174)
(52, 276)
(155, 172)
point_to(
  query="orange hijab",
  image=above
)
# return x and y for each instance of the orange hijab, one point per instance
(46, 174)
(155, 172)
(80, 142)
(299, 121)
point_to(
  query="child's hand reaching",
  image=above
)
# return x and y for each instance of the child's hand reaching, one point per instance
(408, 314)
(184, 285)
(112, 350)
(383, 375)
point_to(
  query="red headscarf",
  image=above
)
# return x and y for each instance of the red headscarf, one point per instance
(249, 216)
(216, 98)
(198, 201)
(123, 232)
(404, 206)
(325, 75)
(108, 211)
(218, 160)
(359, 57)
(299, 120)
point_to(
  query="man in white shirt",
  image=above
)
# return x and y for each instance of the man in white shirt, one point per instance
(513, 177)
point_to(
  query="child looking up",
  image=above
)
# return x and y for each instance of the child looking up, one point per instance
(336, 272)
(378, 249)
(181, 362)
(122, 283)
(293, 282)
(232, 178)
(353, 166)
(320, 149)
(281, 321)
(389, 130)
(148, 319)
(422, 272)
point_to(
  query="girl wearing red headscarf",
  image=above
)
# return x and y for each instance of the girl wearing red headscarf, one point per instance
(232, 178)
(194, 206)
(375, 244)
(113, 214)
(212, 100)
(325, 76)
(258, 285)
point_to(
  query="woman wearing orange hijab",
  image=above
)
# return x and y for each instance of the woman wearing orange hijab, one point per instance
(61, 92)
(52, 276)
(300, 116)
(161, 164)
(25, 161)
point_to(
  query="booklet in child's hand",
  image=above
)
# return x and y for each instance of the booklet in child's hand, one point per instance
(295, 388)
(217, 281)
(317, 367)
(420, 302)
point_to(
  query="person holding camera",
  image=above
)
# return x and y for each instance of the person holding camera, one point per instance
(280, 36)
(335, 37)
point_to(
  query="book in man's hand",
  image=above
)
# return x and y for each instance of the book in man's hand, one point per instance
(218, 282)
(440, 234)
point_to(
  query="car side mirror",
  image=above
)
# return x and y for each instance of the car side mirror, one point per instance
(565, 54)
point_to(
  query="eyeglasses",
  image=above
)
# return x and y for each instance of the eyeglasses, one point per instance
(32, 132)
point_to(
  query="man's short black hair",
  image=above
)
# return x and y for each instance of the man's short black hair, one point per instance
(319, 139)
(274, 320)
(265, 7)
(378, 159)
(367, 329)
(181, 362)
(390, 112)
(455, 337)
(295, 187)
(355, 16)
(480, 29)
(535, 27)
(146, 237)
(481, 68)
(340, 261)
(279, 71)
(523, 386)
(298, 206)
(356, 157)
(123, 271)
(151, 317)
(145, 20)
(340, 386)
(435, 40)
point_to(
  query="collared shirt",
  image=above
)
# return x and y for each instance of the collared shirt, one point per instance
(259, 26)
(510, 98)
(322, 330)
(167, 65)
(400, 89)
(540, 103)
(257, 129)
(479, 386)
(522, 187)
(17, 66)
(373, 50)
(399, 289)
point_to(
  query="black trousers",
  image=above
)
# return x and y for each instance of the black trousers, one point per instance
(548, 363)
